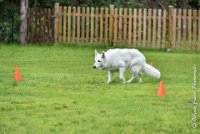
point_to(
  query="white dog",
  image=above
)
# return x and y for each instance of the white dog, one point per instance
(122, 59)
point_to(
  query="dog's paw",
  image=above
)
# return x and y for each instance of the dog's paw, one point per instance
(124, 82)
(108, 82)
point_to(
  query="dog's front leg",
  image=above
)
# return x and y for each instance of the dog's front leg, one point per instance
(109, 77)
(121, 74)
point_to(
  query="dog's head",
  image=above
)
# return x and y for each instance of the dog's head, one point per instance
(99, 60)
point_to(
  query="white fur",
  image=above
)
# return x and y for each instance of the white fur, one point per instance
(122, 59)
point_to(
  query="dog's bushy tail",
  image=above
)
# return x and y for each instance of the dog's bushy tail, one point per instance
(151, 71)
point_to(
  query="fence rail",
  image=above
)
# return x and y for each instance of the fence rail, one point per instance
(148, 28)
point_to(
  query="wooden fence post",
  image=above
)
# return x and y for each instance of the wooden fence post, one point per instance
(111, 25)
(170, 34)
(56, 11)
(69, 25)
(23, 21)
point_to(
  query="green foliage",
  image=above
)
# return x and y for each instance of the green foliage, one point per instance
(9, 22)
(194, 3)
(62, 93)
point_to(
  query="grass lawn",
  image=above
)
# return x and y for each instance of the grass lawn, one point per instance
(62, 93)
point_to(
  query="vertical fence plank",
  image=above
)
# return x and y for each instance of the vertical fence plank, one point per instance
(97, 24)
(35, 40)
(41, 27)
(101, 24)
(83, 25)
(73, 24)
(149, 27)
(190, 28)
(194, 28)
(47, 27)
(154, 27)
(164, 29)
(69, 25)
(47, 30)
(125, 27)
(34, 26)
(179, 28)
(78, 24)
(184, 28)
(159, 29)
(64, 23)
(170, 23)
(115, 26)
(50, 28)
(139, 26)
(134, 27)
(60, 25)
(37, 35)
(87, 24)
(44, 32)
(130, 27)
(106, 26)
(111, 25)
(144, 26)
(92, 25)
(56, 7)
(174, 29)
(120, 27)
(52, 24)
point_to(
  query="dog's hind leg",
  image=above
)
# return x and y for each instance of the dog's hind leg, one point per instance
(109, 77)
(121, 74)
(132, 78)
(135, 70)
(140, 75)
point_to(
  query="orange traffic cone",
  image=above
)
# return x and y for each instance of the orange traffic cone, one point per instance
(17, 74)
(161, 90)
(152, 64)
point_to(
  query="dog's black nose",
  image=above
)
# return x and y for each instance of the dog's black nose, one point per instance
(94, 66)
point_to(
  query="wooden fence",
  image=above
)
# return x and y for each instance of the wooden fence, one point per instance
(40, 27)
(148, 28)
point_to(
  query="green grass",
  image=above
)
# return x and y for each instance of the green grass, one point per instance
(62, 93)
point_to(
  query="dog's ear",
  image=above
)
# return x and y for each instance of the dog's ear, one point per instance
(95, 52)
(103, 54)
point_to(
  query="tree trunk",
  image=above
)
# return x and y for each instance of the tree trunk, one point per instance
(23, 23)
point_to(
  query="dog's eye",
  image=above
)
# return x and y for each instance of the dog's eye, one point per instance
(98, 61)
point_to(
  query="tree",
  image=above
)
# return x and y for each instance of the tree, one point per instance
(23, 20)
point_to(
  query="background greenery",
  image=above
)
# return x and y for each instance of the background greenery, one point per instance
(62, 93)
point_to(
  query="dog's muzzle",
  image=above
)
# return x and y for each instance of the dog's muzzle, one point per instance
(94, 67)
